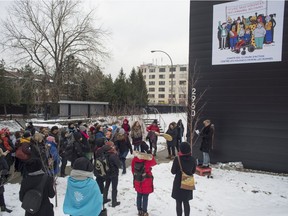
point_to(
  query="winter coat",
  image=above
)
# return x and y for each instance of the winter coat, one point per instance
(189, 166)
(54, 157)
(146, 186)
(123, 144)
(114, 164)
(207, 138)
(30, 182)
(153, 127)
(180, 129)
(174, 134)
(136, 135)
(83, 196)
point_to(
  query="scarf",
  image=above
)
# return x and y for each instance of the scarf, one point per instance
(81, 175)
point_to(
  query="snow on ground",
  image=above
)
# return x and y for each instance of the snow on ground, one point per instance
(228, 193)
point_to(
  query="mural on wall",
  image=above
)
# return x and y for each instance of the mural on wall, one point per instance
(247, 32)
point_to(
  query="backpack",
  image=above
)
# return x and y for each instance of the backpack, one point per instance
(20, 154)
(139, 171)
(33, 198)
(102, 165)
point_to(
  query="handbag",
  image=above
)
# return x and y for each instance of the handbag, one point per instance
(187, 181)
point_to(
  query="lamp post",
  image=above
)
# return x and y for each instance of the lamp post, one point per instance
(172, 98)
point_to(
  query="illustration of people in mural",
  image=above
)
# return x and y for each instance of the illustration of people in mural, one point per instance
(244, 27)
(246, 32)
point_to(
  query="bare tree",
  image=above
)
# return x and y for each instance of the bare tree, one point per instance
(45, 32)
(195, 104)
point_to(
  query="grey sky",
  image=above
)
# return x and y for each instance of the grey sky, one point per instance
(137, 27)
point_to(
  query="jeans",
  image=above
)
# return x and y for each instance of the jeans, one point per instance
(142, 201)
(136, 147)
(206, 159)
(123, 160)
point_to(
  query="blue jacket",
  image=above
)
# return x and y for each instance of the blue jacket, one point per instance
(55, 156)
(83, 197)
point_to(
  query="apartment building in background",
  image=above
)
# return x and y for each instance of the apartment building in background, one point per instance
(159, 83)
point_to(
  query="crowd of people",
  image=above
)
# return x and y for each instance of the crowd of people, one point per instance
(93, 151)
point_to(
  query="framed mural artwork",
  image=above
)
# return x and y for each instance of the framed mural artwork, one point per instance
(247, 32)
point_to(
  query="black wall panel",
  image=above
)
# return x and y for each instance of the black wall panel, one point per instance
(248, 103)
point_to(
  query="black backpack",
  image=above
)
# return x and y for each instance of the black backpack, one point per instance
(102, 165)
(139, 171)
(33, 198)
(69, 149)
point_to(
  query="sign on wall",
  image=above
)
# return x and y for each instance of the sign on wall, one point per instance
(247, 32)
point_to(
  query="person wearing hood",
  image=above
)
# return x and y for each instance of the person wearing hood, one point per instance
(30, 127)
(35, 176)
(83, 196)
(145, 187)
(188, 163)
(52, 155)
(126, 126)
(123, 146)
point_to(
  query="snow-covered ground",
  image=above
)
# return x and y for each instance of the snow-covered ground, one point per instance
(228, 193)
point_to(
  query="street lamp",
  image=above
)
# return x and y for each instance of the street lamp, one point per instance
(172, 98)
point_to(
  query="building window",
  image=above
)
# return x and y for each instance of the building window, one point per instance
(182, 82)
(162, 76)
(151, 76)
(151, 90)
(172, 69)
(174, 83)
(183, 76)
(171, 76)
(161, 102)
(161, 96)
(183, 68)
(151, 83)
(162, 69)
(161, 89)
(182, 96)
(144, 77)
(151, 96)
(161, 82)
(152, 70)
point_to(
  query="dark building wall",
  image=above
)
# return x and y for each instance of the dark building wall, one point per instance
(248, 103)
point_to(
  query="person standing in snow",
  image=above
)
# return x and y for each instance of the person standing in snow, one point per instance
(180, 130)
(35, 176)
(123, 146)
(173, 132)
(83, 196)
(207, 134)
(152, 130)
(144, 187)
(136, 135)
(126, 126)
(188, 163)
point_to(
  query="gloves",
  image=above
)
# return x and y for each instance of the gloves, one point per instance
(197, 132)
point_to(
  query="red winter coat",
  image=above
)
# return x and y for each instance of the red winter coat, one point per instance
(146, 186)
(153, 127)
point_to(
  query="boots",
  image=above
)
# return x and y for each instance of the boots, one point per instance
(4, 209)
(145, 214)
(154, 153)
(114, 199)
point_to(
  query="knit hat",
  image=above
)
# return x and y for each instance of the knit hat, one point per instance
(50, 139)
(27, 134)
(121, 131)
(83, 164)
(185, 148)
(82, 128)
(33, 165)
(125, 121)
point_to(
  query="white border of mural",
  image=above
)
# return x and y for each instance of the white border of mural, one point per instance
(254, 38)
